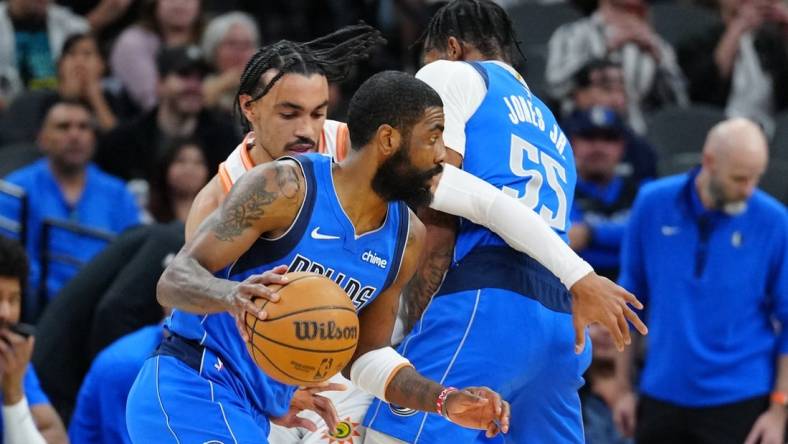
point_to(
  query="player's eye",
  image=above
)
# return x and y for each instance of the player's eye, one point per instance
(287, 116)
(433, 139)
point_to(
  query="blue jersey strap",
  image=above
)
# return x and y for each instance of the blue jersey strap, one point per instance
(403, 228)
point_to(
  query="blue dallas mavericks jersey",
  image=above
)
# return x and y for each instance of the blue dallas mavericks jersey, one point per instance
(322, 239)
(514, 142)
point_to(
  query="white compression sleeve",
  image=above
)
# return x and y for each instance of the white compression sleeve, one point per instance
(18, 425)
(463, 194)
(374, 370)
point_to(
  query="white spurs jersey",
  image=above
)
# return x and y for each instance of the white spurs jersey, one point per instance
(333, 142)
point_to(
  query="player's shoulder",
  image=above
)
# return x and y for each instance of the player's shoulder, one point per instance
(282, 177)
(447, 71)
(333, 125)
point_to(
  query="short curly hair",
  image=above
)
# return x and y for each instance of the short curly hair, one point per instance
(13, 260)
(389, 97)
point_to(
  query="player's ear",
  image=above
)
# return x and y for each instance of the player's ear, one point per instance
(454, 49)
(245, 101)
(388, 139)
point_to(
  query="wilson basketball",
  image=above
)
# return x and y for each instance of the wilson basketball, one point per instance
(309, 335)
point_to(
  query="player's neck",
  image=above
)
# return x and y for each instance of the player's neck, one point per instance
(259, 155)
(353, 184)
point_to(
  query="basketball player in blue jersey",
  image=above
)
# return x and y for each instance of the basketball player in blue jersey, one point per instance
(202, 385)
(287, 116)
(498, 316)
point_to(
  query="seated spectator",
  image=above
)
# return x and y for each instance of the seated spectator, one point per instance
(181, 174)
(113, 295)
(65, 185)
(80, 72)
(31, 36)
(100, 414)
(28, 417)
(163, 23)
(132, 150)
(601, 391)
(742, 64)
(228, 43)
(602, 197)
(652, 77)
(601, 83)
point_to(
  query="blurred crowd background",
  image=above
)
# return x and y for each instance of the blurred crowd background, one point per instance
(115, 113)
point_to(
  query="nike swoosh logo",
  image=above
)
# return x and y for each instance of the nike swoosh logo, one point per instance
(316, 235)
(669, 231)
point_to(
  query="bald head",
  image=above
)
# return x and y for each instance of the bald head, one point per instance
(735, 157)
(738, 141)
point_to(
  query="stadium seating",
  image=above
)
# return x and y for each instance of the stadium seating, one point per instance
(535, 23)
(676, 22)
(676, 130)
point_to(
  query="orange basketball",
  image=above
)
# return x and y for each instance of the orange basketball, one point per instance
(309, 335)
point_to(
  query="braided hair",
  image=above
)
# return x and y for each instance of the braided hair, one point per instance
(482, 23)
(332, 55)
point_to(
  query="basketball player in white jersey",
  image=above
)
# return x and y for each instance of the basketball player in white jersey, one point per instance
(287, 116)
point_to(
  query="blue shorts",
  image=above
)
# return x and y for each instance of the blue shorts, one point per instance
(170, 402)
(502, 340)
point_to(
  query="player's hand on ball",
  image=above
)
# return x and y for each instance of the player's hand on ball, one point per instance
(308, 398)
(598, 299)
(241, 300)
(479, 408)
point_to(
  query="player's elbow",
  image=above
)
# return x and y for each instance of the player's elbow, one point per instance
(167, 286)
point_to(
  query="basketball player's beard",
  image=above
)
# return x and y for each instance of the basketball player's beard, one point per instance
(398, 179)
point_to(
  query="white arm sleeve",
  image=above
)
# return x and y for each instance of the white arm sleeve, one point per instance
(374, 370)
(19, 427)
(462, 90)
(463, 194)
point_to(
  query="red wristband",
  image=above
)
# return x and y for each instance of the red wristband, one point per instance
(779, 398)
(440, 404)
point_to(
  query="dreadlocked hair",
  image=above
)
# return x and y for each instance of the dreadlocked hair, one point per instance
(482, 23)
(332, 55)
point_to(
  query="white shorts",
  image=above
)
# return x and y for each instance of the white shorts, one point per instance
(351, 405)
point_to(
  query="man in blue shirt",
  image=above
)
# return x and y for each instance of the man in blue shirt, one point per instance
(65, 185)
(706, 251)
(603, 197)
(24, 403)
(100, 414)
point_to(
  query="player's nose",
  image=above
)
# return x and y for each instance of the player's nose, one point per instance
(440, 152)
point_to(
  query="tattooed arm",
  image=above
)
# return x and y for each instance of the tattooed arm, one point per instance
(473, 407)
(407, 388)
(435, 260)
(264, 201)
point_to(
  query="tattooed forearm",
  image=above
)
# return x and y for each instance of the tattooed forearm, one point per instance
(425, 283)
(188, 286)
(410, 389)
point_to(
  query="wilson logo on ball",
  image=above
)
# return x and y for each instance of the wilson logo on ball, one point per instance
(311, 330)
